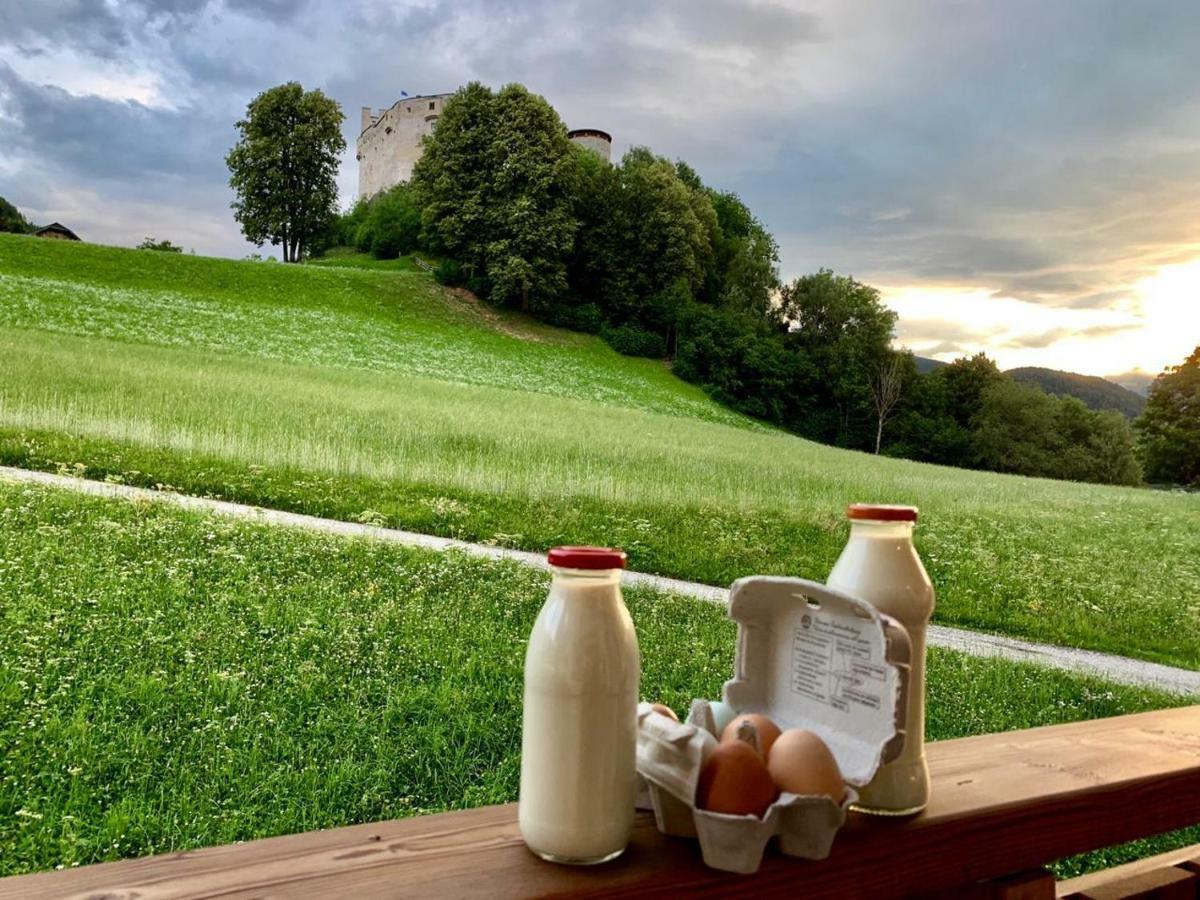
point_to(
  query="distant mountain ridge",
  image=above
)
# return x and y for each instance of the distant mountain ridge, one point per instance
(1136, 381)
(1095, 392)
(925, 365)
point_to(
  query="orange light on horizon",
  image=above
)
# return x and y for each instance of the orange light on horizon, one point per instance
(1157, 325)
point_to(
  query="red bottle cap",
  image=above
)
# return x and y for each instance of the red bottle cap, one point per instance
(586, 558)
(881, 512)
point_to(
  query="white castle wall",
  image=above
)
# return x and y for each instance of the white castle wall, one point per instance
(390, 143)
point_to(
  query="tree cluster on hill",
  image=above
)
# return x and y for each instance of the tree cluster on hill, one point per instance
(163, 246)
(1169, 429)
(661, 265)
(972, 415)
(12, 221)
(387, 225)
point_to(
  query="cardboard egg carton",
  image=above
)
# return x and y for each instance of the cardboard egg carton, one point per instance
(807, 657)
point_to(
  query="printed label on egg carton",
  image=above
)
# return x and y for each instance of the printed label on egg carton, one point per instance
(807, 657)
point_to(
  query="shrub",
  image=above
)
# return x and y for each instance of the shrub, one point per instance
(449, 272)
(633, 341)
(585, 317)
(386, 226)
(164, 246)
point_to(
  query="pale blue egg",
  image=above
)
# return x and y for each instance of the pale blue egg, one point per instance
(723, 714)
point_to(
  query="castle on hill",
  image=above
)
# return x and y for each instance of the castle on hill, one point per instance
(392, 140)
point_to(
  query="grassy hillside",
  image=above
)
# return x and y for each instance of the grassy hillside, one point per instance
(171, 680)
(376, 396)
(1096, 393)
(394, 319)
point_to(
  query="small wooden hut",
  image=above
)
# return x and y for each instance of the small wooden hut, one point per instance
(57, 232)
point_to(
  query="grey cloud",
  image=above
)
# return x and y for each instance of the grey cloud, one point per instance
(109, 30)
(1044, 339)
(99, 28)
(1043, 151)
(939, 329)
(761, 27)
(943, 347)
(95, 138)
(275, 10)
(88, 24)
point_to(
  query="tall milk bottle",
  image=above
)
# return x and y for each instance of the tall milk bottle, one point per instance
(579, 738)
(880, 565)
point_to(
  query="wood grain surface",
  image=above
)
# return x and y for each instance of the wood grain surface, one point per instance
(1001, 804)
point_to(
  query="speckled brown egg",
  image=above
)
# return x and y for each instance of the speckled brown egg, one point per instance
(767, 730)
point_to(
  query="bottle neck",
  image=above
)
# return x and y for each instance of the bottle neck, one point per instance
(584, 577)
(876, 528)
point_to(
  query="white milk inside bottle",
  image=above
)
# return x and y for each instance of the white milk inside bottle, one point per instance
(880, 565)
(579, 737)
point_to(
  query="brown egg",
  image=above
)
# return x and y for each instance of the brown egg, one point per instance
(735, 781)
(767, 730)
(665, 710)
(800, 763)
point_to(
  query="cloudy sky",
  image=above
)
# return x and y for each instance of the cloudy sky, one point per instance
(1020, 178)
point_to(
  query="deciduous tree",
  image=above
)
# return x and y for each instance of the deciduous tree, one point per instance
(844, 328)
(1168, 431)
(283, 168)
(887, 381)
(496, 183)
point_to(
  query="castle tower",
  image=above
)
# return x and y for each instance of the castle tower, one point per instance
(599, 142)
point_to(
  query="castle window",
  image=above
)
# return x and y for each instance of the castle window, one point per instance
(431, 104)
(409, 108)
(388, 130)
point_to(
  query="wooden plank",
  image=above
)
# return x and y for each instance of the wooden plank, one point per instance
(1184, 857)
(1036, 884)
(1168, 883)
(1000, 803)
(1192, 863)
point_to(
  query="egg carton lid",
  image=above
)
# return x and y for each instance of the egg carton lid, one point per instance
(812, 657)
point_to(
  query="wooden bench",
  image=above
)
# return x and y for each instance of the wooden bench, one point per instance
(1003, 806)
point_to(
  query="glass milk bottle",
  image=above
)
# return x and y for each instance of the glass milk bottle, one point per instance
(579, 737)
(880, 565)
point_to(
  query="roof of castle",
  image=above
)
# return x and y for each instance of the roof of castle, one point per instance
(589, 132)
(404, 100)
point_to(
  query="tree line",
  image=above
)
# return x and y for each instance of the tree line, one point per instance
(659, 264)
(12, 221)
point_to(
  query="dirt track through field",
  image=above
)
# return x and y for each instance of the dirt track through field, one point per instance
(1087, 662)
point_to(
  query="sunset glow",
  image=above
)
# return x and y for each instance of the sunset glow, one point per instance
(1156, 325)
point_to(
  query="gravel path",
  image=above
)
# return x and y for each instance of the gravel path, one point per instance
(1103, 665)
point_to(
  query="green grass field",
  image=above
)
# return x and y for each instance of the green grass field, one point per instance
(170, 680)
(377, 396)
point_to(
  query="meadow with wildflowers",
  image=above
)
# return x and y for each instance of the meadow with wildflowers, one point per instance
(171, 680)
(375, 395)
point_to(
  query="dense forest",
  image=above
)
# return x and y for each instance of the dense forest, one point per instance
(1095, 392)
(662, 265)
